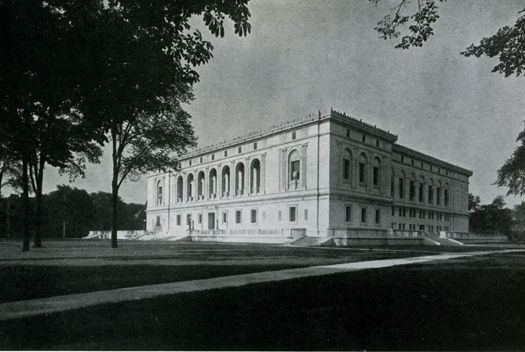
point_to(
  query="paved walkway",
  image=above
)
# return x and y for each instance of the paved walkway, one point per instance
(28, 308)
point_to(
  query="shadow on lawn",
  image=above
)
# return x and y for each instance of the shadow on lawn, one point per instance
(413, 307)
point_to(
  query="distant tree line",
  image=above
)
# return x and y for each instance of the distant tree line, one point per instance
(70, 211)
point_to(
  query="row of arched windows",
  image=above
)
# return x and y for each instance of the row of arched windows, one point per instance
(200, 189)
(363, 168)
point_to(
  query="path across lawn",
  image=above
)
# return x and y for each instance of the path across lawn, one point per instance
(28, 308)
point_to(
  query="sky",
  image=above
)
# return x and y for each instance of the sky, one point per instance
(308, 56)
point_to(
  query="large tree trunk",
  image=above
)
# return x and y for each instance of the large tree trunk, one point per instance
(25, 205)
(114, 191)
(38, 209)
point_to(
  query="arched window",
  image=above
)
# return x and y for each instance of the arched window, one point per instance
(179, 188)
(347, 165)
(225, 181)
(239, 179)
(159, 192)
(189, 187)
(422, 190)
(294, 167)
(438, 193)
(445, 195)
(402, 185)
(200, 185)
(430, 197)
(363, 161)
(212, 190)
(412, 187)
(376, 173)
(255, 176)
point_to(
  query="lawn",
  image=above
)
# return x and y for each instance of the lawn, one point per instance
(466, 304)
(65, 267)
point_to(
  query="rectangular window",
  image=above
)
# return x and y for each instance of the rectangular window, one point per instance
(363, 215)
(178, 219)
(292, 214)
(239, 149)
(255, 146)
(279, 217)
(157, 222)
(238, 216)
(294, 172)
(213, 157)
(412, 191)
(189, 162)
(438, 195)
(200, 160)
(294, 135)
(421, 192)
(363, 138)
(378, 216)
(401, 188)
(348, 213)
(430, 194)
(306, 214)
(377, 143)
(224, 217)
(188, 219)
(362, 172)
(348, 132)
(393, 211)
(376, 175)
(346, 169)
(446, 197)
(253, 216)
(200, 218)
(225, 153)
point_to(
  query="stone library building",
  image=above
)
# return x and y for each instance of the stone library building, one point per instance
(318, 176)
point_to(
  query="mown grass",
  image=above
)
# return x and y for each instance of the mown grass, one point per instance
(85, 266)
(466, 304)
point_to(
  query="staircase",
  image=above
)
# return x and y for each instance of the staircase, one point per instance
(310, 241)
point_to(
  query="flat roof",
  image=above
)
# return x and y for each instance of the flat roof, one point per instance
(414, 153)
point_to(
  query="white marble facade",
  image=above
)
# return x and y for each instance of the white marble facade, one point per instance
(312, 176)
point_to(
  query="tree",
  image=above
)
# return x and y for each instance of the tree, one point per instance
(70, 208)
(473, 203)
(9, 172)
(492, 218)
(419, 20)
(39, 121)
(512, 173)
(144, 69)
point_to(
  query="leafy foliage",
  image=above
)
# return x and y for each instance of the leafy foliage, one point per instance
(512, 173)
(420, 22)
(78, 209)
(473, 203)
(491, 218)
(143, 70)
(508, 44)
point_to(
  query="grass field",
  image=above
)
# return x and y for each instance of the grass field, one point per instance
(65, 267)
(473, 303)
